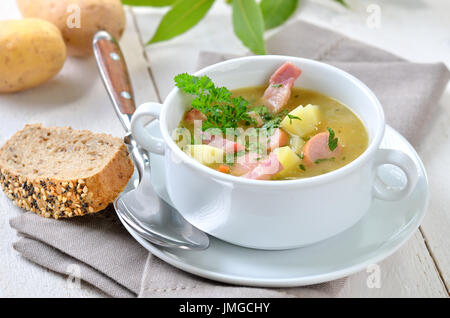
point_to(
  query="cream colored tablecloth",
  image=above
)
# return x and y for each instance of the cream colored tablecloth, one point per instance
(111, 260)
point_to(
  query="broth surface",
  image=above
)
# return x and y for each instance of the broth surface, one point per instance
(348, 127)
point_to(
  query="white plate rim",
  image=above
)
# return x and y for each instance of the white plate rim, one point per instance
(411, 227)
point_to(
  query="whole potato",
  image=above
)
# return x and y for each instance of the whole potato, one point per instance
(31, 52)
(78, 20)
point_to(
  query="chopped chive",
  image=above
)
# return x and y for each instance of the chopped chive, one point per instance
(324, 159)
(292, 117)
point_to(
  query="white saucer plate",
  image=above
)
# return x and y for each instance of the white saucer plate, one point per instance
(384, 229)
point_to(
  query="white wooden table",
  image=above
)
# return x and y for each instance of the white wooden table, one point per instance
(415, 29)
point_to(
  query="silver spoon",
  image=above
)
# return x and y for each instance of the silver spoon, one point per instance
(141, 208)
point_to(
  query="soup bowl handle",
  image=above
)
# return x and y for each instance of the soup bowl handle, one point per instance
(402, 161)
(145, 113)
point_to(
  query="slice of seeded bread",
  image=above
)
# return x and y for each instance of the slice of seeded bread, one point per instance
(61, 172)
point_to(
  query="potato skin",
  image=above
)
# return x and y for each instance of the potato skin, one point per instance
(95, 15)
(31, 52)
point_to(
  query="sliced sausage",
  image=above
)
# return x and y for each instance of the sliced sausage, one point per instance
(277, 140)
(317, 148)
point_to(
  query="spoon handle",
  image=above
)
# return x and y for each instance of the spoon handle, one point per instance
(114, 73)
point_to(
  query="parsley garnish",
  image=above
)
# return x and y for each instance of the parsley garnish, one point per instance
(263, 112)
(332, 142)
(292, 117)
(324, 159)
(222, 111)
(277, 85)
(302, 167)
(274, 121)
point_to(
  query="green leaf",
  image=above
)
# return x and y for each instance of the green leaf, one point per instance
(276, 12)
(183, 16)
(342, 2)
(149, 3)
(248, 25)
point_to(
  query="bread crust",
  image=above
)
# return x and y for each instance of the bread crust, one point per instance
(52, 197)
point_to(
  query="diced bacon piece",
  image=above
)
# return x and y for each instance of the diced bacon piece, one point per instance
(277, 140)
(228, 146)
(193, 115)
(286, 72)
(276, 97)
(245, 163)
(277, 94)
(317, 148)
(257, 118)
(265, 169)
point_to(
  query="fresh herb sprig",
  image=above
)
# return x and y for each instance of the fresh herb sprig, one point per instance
(332, 141)
(222, 111)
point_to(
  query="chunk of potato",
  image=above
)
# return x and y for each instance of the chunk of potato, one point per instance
(205, 154)
(297, 144)
(288, 159)
(32, 51)
(310, 118)
(78, 20)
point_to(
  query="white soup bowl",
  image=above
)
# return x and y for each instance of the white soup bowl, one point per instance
(275, 214)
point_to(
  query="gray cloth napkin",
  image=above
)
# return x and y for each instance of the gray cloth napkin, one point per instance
(108, 257)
